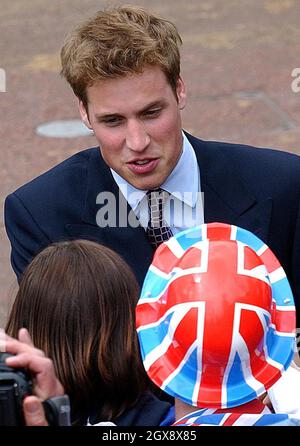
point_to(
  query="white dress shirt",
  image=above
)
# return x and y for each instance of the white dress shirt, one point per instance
(184, 208)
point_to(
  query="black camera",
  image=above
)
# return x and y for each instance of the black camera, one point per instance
(15, 384)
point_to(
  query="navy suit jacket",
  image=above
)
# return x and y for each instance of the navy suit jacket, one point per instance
(256, 189)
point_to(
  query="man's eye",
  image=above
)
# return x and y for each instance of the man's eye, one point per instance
(111, 121)
(152, 113)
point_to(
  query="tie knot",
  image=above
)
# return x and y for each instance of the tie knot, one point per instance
(156, 196)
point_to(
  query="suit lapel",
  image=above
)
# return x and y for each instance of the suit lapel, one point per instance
(226, 197)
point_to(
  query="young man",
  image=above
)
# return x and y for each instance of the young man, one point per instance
(124, 67)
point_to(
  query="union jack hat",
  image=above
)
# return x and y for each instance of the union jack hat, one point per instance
(216, 317)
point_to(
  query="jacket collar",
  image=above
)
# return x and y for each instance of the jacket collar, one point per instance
(226, 197)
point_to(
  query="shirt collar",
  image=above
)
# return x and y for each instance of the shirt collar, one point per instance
(185, 173)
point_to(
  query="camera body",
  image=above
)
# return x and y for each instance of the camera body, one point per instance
(15, 385)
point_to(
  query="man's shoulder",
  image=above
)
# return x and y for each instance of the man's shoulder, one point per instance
(69, 172)
(242, 149)
(245, 156)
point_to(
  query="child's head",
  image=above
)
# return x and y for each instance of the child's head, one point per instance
(216, 317)
(77, 300)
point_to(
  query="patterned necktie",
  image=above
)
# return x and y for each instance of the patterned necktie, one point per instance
(157, 230)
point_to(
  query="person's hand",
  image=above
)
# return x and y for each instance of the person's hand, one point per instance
(45, 383)
(34, 412)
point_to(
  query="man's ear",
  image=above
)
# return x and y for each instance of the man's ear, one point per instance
(84, 114)
(181, 93)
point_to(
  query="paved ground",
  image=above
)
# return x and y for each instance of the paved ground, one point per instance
(238, 56)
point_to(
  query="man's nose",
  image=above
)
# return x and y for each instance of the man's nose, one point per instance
(137, 138)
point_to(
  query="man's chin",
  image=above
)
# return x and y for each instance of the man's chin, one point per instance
(146, 185)
(145, 182)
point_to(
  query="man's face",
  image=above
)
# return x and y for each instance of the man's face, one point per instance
(136, 120)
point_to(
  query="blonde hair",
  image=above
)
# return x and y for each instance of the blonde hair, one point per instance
(116, 42)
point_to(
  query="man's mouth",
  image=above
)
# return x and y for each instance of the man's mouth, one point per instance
(141, 163)
(143, 166)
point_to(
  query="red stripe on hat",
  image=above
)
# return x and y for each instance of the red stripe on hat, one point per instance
(284, 321)
(270, 260)
(146, 313)
(164, 259)
(219, 231)
(166, 364)
(264, 372)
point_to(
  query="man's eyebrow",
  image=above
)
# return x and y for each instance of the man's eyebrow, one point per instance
(158, 103)
(107, 115)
